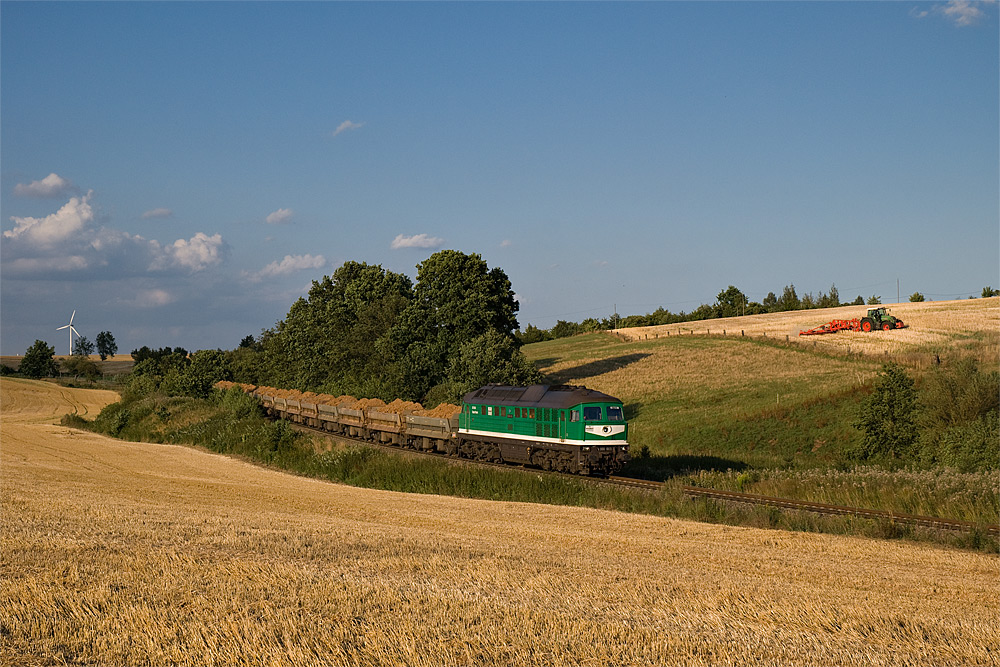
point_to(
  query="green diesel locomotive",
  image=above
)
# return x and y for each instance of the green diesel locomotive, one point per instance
(563, 428)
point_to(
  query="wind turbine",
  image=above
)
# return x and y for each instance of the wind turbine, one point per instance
(72, 330)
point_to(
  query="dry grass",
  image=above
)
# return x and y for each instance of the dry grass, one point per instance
(117, 553)
(725, 368)
(114, 365)
(932, 325)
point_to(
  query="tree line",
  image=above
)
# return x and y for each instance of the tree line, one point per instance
(374, 333)
(39, 359)
(730, 302)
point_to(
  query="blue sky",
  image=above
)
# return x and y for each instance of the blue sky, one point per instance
(179, 173)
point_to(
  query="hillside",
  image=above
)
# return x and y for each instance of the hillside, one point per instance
(932, 327)
(121, 553)
(116, 365)
(749, 398)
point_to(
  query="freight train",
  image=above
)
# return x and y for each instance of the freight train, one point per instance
(553, 427)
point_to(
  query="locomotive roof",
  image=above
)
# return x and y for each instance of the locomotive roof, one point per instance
(537, 395)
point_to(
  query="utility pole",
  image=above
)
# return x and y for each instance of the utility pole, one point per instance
(897, 290)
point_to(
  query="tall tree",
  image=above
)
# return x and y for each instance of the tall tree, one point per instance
(328, 339)
(888, 415)
(789, 299)
(106, 345)
(457, 298)
(730, 302)
(83, 347)
(39, 361)
(491, 357)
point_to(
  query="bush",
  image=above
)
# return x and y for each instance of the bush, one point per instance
(959, 418)
(888, 416)
(959, 393)
(80, 365)
(971, 446)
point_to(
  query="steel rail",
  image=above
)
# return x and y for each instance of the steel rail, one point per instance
(824, 508)
(697, 491)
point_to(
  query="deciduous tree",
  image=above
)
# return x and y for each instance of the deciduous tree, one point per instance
(106, 345)
(83, 347)
(888, 415)
(39, 361)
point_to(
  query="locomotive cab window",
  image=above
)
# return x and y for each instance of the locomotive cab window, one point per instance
(574, 415)
(592, 413)
(615, 413)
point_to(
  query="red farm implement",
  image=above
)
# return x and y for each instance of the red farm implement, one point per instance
(877, 318)
(833, 326)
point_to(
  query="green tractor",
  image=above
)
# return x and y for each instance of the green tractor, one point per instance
(879, 318)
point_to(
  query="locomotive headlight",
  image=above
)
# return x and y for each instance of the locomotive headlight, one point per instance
(606, 429)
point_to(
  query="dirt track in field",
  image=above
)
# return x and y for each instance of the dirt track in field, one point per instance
(120, 553)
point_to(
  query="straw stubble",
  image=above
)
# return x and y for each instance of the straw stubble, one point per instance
(119, 553)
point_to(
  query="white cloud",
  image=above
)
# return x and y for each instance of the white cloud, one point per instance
(197, 253)
(416, 241)
(70, 242)
(280, 217)
(345, 126)
(963, 12)
(61, 225)
(51, 186)
(157, 213)
(288, 265)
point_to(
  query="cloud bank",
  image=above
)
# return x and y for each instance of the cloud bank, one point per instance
(70, 242)
(53, 229)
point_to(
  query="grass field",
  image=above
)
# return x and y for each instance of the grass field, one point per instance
(116, 365)
(118, 553)
(933, 327)
(737, 399)
(755, 400)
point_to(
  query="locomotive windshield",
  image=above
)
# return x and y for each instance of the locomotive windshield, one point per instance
(592, 413)
(615, 413)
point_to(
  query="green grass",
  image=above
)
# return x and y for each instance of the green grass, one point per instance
(750, 402)
(232, 423)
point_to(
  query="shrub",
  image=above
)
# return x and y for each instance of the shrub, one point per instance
(971, 446)
(81, 365)
(888, 416)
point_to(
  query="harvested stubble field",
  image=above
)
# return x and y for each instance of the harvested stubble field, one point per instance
(118, 553)
(114, 365)
(931, 326)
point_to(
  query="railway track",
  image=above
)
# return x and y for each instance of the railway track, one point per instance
(824, 508)
(814, 507)
(714, 494)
